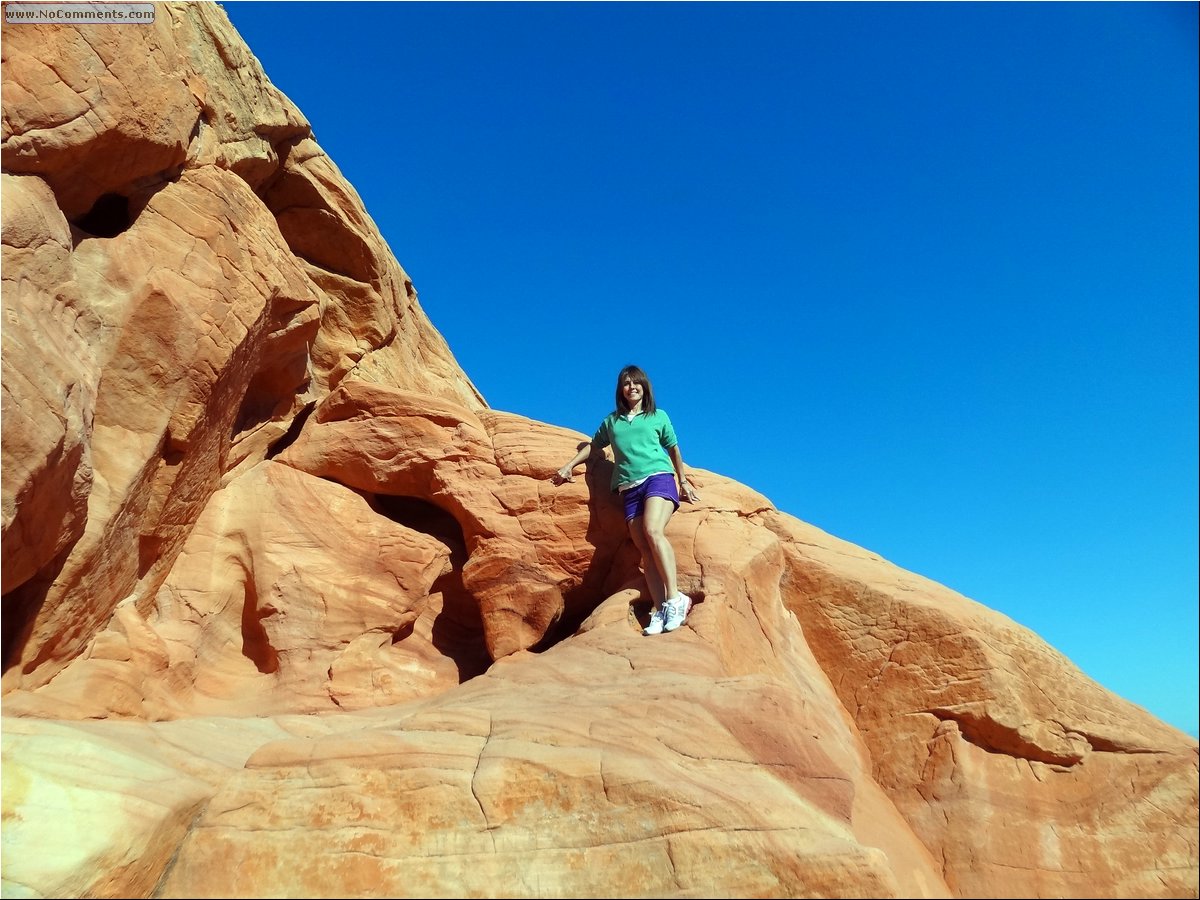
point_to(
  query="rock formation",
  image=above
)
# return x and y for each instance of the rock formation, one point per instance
(288, 610)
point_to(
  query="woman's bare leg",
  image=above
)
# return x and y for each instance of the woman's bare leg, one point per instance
(657, 513)
(654, 580)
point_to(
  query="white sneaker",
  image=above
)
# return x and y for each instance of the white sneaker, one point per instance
(658, 619)
(677, 611)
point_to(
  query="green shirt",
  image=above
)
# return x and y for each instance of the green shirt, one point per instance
(639, 446)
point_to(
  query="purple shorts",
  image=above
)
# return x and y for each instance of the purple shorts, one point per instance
(662, 485)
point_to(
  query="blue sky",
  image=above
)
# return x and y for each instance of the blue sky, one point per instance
(925, 275)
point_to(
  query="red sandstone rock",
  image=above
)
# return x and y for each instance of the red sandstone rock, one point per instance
(288, 611)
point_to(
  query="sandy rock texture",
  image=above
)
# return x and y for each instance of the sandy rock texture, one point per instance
(289, 611)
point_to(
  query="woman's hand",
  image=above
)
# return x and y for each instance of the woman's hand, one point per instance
(687, 492)
(566, 473)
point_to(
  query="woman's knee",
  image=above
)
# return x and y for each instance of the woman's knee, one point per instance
(655, 533)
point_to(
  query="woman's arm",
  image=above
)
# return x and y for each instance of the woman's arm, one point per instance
(686, 491)
(565, 473)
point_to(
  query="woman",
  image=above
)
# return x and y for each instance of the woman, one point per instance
(648, 461)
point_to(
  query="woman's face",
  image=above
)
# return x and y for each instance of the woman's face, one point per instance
(632, 392)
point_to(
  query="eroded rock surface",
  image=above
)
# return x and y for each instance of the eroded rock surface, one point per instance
(289, 611)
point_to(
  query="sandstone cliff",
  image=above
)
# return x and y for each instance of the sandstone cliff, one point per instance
(288, 610)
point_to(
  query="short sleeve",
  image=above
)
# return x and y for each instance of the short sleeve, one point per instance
(601, 438)
(666, 431)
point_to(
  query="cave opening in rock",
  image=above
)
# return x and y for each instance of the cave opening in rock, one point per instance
(428, 518)
(108, 217)
(458, 628)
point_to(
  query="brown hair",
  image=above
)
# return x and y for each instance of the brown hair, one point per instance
(636, 375)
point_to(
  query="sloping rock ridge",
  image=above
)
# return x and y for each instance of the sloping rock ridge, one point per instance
(289, 611)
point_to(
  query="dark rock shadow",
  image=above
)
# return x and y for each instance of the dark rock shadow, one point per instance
(615, 560)
(21, 608)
